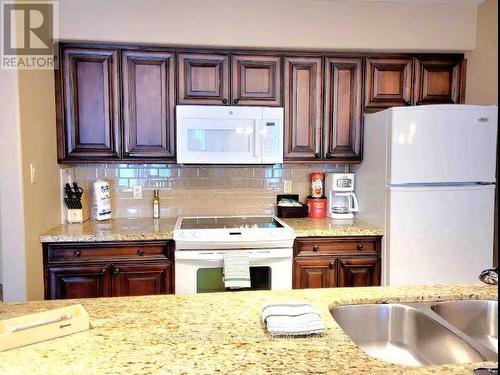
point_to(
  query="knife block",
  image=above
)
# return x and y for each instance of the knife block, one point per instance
(33, 328)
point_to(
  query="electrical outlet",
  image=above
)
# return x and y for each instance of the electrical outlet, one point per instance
(287, 186)
(137, 192)
(33, 175)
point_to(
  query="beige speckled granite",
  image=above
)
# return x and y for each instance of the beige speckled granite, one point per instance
(145, 229)
(112, 230)
(332, 228)
(216, 333)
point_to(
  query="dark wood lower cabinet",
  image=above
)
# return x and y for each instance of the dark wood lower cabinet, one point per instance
(360, 271)
(77, 282)
(315, 273)
(91, 270)
(140, 280)
(336, 262)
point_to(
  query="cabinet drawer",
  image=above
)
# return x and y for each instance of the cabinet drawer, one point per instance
(321, 246)
(82, 253)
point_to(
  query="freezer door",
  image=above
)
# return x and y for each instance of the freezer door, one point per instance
(438, 235)
(442, 144)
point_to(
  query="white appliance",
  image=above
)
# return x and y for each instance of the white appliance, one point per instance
(201, 242)
(428, 178)
(229, 135)
(342, 201)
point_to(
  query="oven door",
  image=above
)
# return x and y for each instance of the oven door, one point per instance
(200, 271)
(219, 135)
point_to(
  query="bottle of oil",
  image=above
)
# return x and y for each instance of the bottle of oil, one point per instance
(156, 204)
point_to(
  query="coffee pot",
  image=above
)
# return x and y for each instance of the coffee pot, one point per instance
(342, 201)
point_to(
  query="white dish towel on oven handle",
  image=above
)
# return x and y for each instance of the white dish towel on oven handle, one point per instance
(236, 271)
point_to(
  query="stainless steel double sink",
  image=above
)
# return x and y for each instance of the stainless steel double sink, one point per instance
(424, 333)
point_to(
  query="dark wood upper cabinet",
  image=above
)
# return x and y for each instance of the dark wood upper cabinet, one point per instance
(388, 82)
(148, 104)
(303, 87)
(439, 81)
(77, 282)
(343, 112)
(359, 271)
(256, 80)
(88, 104)
(314, 273)
(203, 78)
(143, 279)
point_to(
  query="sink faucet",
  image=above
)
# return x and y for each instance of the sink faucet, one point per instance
(489, 276)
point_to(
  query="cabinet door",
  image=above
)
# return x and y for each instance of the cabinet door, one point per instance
(388, 82)
(90, 104)
(144, 279)
(359, 271)
(438, 81)
(343, 116)
(77, 282)
(256, 80)
(314, 273)
(303, 108)
(203, 78)
(148, 104)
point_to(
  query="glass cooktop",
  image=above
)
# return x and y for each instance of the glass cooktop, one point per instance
(229, 222)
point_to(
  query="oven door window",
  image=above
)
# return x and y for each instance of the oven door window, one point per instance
(210, 279)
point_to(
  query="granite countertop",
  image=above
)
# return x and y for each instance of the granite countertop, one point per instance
(216, 333)
(142, 229)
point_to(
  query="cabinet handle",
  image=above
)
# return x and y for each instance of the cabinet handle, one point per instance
(140, 252)
(360, 246)
(332, 264)
(224, 101)
(77, 253)
(317, 155)
(315, 248)
(236, 101)
(116, 271)
(104, 270)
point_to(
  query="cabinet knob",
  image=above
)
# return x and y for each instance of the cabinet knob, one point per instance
(315, 248)
(317, 155)
(407, 103)
(332, 264)
(104, 270)
(418, 103)
(224, 101)
(116, 271)
(329, 155)
(140, 252)
(77, 253)
(359, 246)
(236, 101)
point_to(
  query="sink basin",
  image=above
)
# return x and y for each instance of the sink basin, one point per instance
(401, 334)
(477, 319)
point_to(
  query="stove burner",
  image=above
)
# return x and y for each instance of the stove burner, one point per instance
(234, 222)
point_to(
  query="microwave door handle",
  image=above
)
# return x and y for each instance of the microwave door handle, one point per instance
(355, 206)
(257, 152)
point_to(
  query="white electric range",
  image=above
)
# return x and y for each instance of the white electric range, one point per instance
(201, 242)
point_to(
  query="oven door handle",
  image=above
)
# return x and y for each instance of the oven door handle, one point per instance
(218, 257)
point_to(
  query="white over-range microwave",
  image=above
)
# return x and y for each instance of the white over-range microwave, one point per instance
(229, 135)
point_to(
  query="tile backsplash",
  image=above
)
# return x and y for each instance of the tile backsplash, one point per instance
(200, 190)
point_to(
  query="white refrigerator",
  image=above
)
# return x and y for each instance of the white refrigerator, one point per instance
(428, 178)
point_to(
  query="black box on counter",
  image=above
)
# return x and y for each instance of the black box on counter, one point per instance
(291, 211)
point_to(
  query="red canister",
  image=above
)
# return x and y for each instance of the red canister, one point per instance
(317, 179)
(316, 207)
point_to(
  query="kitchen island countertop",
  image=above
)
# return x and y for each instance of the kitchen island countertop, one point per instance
(216, 333)
(149, 229)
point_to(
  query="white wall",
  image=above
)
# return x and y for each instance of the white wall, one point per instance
(331, 24)
(12, 244)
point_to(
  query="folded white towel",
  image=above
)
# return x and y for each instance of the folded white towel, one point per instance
(292, 319)
(236, 270)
